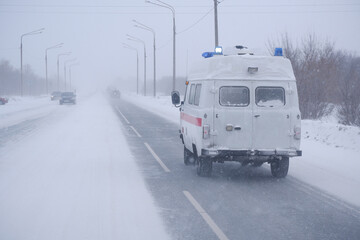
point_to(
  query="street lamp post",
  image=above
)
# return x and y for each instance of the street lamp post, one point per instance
(46, 65)
(58, 74)
(71, 60)
(137, 65)
(165, 5)
(21, 56)
(131, 38)
(71, 65)
(143, 26)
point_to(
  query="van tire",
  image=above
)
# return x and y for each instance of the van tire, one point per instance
(280, 167)
(189, 158)
(204, 167)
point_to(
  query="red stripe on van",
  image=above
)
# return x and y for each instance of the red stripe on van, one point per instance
(191, 119)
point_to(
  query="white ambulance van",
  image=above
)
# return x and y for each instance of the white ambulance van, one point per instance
(240, 107)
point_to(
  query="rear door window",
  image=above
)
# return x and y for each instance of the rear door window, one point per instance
(270, 96)
(234, 96)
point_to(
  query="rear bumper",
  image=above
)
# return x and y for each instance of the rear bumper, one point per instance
(251, 153)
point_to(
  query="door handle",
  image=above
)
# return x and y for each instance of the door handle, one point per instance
(257, 116)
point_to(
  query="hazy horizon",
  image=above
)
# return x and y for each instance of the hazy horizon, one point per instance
(95, 30)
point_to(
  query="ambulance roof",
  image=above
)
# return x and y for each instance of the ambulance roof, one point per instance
(236, 67)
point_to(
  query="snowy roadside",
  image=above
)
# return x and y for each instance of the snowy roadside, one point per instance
(330, 158)
(75, 179)
(20, 109)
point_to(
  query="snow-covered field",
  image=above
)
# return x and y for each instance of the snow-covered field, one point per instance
(72, 178)
(330, 160)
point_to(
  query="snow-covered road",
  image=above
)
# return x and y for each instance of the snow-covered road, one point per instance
(236, 202)
(73, 177)
(66, 172)
(331, 151)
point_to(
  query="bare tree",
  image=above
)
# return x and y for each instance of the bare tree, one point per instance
(315, 70)
(349, 85)
(10, 80)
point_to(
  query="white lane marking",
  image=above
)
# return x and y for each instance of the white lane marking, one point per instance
(219, 233)
(136, 132)
(127, 121)
(157, 158)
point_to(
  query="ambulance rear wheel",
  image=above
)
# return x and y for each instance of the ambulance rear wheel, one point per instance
(188, 157)
(204, 167)
(280, 167)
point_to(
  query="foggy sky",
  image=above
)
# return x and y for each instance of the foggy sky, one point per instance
(94, 31)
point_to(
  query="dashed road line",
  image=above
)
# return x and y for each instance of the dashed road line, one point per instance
(219, 233)
(157, 158)
(127, 121)
(136, 132)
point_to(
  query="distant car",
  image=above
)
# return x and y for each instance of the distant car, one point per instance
(55, 96)
(67, 97)
(3, 100)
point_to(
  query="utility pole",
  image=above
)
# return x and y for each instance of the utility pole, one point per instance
(216, 23)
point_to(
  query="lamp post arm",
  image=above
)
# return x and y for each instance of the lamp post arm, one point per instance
(168, 5)
(135, 39)
(55, 46)
(143, 26)
(164, 6)
(34, 32)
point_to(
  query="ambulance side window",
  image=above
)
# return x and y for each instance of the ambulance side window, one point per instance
(192, 94)
(186, 93)
(270, 96)
(234, 96)
(197, 94)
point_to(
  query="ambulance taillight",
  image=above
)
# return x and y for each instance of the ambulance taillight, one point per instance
(206, 132)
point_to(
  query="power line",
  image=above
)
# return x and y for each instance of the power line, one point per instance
(180, 6)
(180, 13)
(193, 25)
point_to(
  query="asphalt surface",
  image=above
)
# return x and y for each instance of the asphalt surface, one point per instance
(235, 202)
